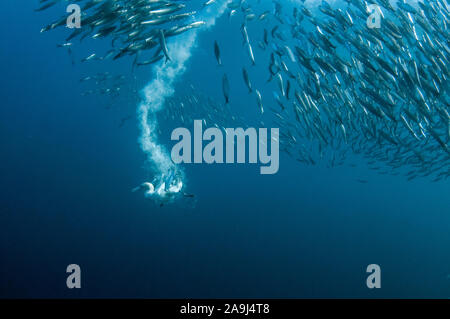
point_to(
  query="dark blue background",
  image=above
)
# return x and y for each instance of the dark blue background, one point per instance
(66, 170)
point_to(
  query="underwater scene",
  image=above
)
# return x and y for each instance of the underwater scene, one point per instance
(225, 149)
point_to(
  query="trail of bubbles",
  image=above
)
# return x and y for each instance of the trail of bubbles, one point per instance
(156, 93)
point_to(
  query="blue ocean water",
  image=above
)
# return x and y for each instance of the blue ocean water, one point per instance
(67, 169)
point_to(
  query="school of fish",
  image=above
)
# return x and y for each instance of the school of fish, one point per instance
(338, 85)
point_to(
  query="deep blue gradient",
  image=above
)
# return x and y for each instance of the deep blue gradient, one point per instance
(66, 172)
